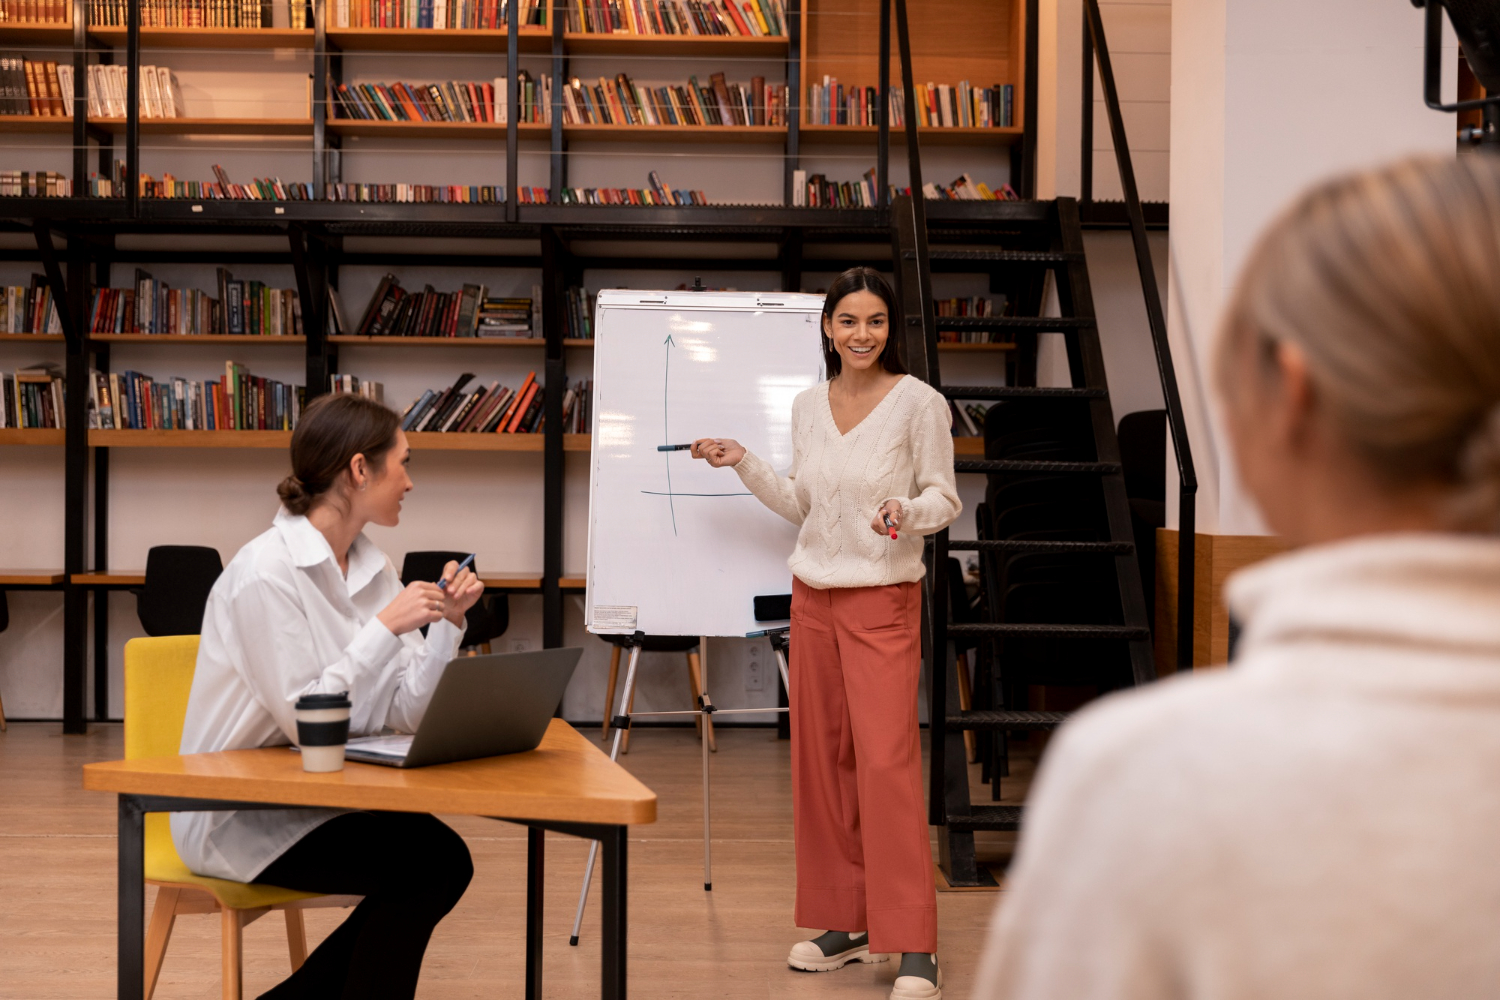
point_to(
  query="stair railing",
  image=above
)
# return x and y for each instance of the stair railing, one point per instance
(1095, 46)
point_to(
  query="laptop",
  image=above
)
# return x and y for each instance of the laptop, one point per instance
(484, 706)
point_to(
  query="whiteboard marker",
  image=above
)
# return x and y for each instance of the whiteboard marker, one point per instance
(887, 519)
(674, 447)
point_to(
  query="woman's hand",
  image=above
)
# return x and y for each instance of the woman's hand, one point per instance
(460, 593)
(421, 603)
(892, 509)
(719, 452)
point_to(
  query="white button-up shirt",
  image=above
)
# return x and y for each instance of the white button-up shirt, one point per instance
(281, 622)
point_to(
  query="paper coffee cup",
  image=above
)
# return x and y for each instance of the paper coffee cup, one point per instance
(322, 730)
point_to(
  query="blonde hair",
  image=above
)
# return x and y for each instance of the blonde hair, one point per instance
(1389, 283)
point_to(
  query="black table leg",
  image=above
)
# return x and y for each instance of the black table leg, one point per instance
(536, 868)
(613, 936)
(132, 901)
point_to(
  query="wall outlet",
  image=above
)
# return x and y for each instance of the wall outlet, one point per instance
(520, 645)
(754, 677)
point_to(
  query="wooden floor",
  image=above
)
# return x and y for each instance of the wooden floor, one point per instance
(57, 884)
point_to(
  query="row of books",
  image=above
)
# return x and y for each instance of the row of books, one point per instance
(35, 184)
(621, 102)
(30, 309)
(941, 105)
(452, 101)
(744, 18)
(33, 398)
(968, 418)
(356, 386)
(975, 305)
(237, 401)
(631, 196)
(482, 15)
(466, 194)
(242, 308)
(205, 13)
(45, 89)
(34, 11)
(469, 312)
(578, 314)
(494, 409)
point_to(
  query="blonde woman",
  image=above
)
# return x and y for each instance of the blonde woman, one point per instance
(1321, 819)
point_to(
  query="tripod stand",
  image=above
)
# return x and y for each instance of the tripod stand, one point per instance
(780, 642)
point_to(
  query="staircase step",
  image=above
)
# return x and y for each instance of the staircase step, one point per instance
(1018, 465)
(1024, 631)
(992, 720)
(1020, 392)
(1001, 256)
(1024, 545)
(1049, 324)
(987, 818)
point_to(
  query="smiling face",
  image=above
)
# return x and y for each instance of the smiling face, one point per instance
(859, 328)
(378, 492)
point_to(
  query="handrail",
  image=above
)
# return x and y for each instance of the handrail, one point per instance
(1187, 478)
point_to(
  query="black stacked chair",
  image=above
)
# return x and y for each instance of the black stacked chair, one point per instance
(488, 618)
(178, 579)
(687, 644)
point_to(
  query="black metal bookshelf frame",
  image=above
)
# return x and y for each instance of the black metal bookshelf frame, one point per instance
(314, 231)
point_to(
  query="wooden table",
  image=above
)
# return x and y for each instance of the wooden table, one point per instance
(566, 785)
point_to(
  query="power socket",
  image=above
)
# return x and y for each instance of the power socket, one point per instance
(520, 645)
(754, 677)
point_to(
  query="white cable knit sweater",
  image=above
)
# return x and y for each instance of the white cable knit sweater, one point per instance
(902, 451)
(1319, 820)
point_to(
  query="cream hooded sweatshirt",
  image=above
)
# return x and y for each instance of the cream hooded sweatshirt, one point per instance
(1321, 820)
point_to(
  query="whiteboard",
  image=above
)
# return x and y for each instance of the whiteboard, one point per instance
(676, 547)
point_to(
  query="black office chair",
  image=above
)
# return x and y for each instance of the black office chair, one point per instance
(488, 618)
(656, 644)
(178, 579)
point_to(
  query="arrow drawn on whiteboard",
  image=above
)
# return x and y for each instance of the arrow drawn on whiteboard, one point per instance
(666, 434)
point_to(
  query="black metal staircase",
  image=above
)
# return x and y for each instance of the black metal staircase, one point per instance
(1061, 596)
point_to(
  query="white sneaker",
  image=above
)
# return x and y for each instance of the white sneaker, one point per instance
(833, 950)
(912, 979)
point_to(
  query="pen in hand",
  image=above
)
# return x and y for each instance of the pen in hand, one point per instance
(443, 584)
(889, 526)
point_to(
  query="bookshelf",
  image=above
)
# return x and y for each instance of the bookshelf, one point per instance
(766, 243)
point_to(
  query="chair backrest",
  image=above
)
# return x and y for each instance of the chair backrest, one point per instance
(429, 565)
(1143, 454)
(178, 579)
(489, 618)
(158, 679)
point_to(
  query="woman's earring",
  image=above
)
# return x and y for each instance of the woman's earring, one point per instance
(364, 485)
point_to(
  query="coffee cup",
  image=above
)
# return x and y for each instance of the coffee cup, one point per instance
(322, 730)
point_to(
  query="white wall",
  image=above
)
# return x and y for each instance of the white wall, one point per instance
(1269, 97)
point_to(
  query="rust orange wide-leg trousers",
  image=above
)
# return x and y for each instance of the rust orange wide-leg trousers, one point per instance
(857, 765)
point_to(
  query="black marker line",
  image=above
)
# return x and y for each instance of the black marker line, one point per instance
(665, 397)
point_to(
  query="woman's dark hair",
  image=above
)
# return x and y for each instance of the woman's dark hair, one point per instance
(864, 279)
(330, 432)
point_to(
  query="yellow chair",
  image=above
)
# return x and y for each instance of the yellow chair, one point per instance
(158, 678)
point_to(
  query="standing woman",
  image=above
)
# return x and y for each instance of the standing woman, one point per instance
(872, 472)
(312, 606)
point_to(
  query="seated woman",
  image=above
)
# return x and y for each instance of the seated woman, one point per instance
(1320, 819)
(312, 606)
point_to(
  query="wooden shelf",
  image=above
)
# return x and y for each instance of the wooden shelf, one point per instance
(435, 40)
(678, 133)
(30, 578)
(211, 126)
(18, 435)
(187, 338)
(189, 439)
(947, 346)
(108, 579)
(507, 581)
(968, 447)
(926, 135)
(208, 38)
(31, 338)
(435, 441)
(37, 34)
(35, 123)
(493, 131)
(624, 43)
(346, 338)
